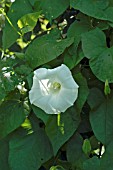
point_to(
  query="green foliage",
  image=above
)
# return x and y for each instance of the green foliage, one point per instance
(33, 149)
(28, 22)
(4, 151)
(92, 164)
(86, 146)
(11, 31)
(83, 91)
(75, 153)
(93, 43)
(2, 93)
(61, 128)
(106, 160)
(101, 115)
(79, 27)
(97, 9)
(94, 47)
(52, 9)
(48, 33)
(12, 115)
(56, 168)
(46, 48)
(40, 114)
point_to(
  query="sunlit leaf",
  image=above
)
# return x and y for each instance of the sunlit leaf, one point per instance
(11, 31)
(28, 22)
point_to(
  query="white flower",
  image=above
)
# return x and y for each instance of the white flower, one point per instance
(53, 90)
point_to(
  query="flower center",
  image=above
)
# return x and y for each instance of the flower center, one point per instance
(55, 87)
(48, 87)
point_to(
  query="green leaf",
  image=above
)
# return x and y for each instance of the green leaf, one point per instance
(69, 60)
(83, 90)
(1, 34)
(10, 32)
(73, 55)
(2, 92)
(19, 55)
(40, 114)
(102, 66)
(101, 57)
(57, 168)
(30, 80)
(8, 85)
(32, 2)
(12, 115)
(74, 149)
(86, 146)
(46, 48)
(93, 100)
(77, 28)
(4, 152)
(92, 164)
(96, 9)
(29, 151)
(28, 22)
(61, 127)
(23, 70)
(101, 115)
(93, 43)
(52, 9)
(109, 13)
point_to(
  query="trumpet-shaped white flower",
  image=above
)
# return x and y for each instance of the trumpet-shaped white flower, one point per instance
(53, 90)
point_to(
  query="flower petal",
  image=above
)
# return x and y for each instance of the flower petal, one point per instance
(34, 94)
(43, 103)
(64, 72)
(58, 103)
(35, 82)
(41, 73)
(70, 95)
(69, 83)
(65, 76)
